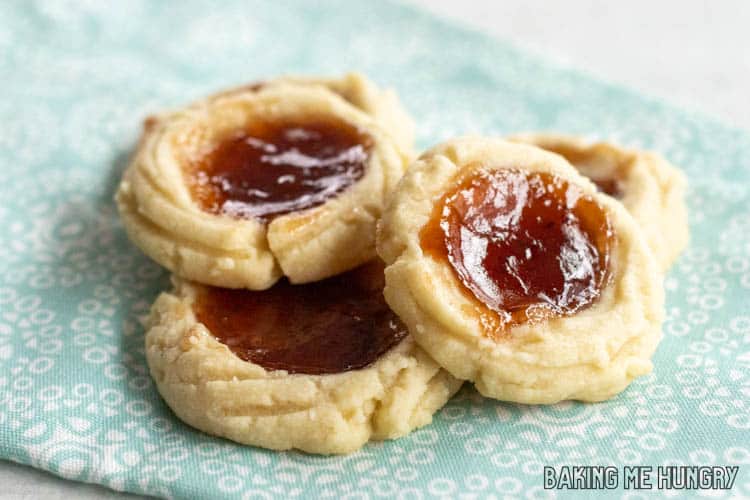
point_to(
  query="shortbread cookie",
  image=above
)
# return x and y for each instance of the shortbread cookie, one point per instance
(284, 178)
(511, 270)
(322, 367)
(650, 187)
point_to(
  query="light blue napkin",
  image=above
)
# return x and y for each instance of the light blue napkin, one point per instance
(75, 395)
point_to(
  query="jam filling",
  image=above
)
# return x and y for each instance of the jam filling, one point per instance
(277, 167)
(611, 187)
(330, 326)
(526, 246)
(585, 162)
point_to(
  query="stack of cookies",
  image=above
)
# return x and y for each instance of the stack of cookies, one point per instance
(330, 289)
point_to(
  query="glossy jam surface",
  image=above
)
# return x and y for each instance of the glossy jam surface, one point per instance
(278, 167)
(527, 246)
(330, 326)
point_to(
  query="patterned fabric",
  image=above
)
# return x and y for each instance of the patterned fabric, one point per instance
(78, 77)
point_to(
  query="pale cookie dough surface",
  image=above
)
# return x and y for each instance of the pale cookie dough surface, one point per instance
(651, 188)
(162, 218)
(210, 388)
(590, 356)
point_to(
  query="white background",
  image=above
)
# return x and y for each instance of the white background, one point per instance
(696, 54)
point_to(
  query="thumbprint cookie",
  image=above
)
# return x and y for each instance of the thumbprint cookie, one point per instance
(283, 178)
(322, 367)
(513, 271)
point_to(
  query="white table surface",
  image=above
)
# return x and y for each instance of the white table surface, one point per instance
(696, 54)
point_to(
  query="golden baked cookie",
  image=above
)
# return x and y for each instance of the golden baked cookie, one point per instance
(650, 187)
(284, 178)
(511, 270)
(322, 367)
